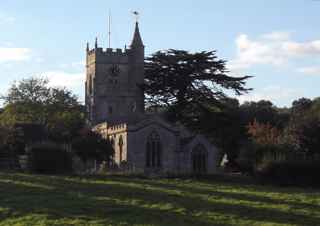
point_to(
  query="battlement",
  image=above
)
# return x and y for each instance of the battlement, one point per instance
(108, 52)
(117, 128)
(100, 127)
(108, 55)
(105, 130)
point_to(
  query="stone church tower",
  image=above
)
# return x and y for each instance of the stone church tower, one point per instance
(113, 94)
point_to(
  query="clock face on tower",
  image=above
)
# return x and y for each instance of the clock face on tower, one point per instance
(114, 70)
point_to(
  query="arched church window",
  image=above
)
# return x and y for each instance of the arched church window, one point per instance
(112, 144)
(199, 158)
(120, 143)
(153, 153)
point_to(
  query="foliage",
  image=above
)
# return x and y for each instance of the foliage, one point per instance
(264, 134)
(32, 101)
(266, 144)
(309, 137)
(247, 158)
(177, 77)
(252, 155)
(225, 128)
(49, 159)
(21, 113)
(264, 112)
(33, 90)
(301, 105)
(15, 141)
(304, 126)
(115, 200)
(192, 88)
(91, 145)
(65, 125)
(278, 153)
(3, 135)
(191, 85)
(264, 140)
(291, 172)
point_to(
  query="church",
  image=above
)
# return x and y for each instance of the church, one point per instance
(143, 142)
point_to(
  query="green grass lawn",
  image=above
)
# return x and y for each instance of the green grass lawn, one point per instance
(60, 200)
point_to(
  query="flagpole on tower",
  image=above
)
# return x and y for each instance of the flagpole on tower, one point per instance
(109, 29)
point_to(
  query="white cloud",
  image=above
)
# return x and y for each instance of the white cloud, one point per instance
(310, 70)
(6, 19)
(275, 94)
(14, 54)
(277, 36)
(298, 49)
(65, 79)
(275, 48)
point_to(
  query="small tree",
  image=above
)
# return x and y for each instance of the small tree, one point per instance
(91, 145)
(304, 127)
(15, 141)
(308, 136)
(264, 134)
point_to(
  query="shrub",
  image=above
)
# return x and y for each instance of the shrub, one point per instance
(290, 172)
(253, 154)
(49, 159)
(92, 146)
(247, 158)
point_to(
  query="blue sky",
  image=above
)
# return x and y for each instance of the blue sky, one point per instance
(278, 42)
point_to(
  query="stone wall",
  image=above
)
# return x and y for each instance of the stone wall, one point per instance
(185, 163)
(137, 144)
(176, 155)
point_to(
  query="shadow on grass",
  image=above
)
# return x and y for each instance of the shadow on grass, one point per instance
(213, 191)
(88, 206)
(134, 201)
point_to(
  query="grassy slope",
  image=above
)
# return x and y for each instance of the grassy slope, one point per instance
(54, 200)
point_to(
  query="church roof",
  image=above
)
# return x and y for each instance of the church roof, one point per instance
(137, 40)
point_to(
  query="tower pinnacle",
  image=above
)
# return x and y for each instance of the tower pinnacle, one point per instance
(137, 40)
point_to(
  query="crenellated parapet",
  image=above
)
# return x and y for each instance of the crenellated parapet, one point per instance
(101, 128)
(107, 55)
(117, 128)
(108, 51)
(106, 130)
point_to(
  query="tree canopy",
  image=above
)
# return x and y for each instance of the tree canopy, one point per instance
(91, 145)
(189, 85)
(177, 77)
(32, 101)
